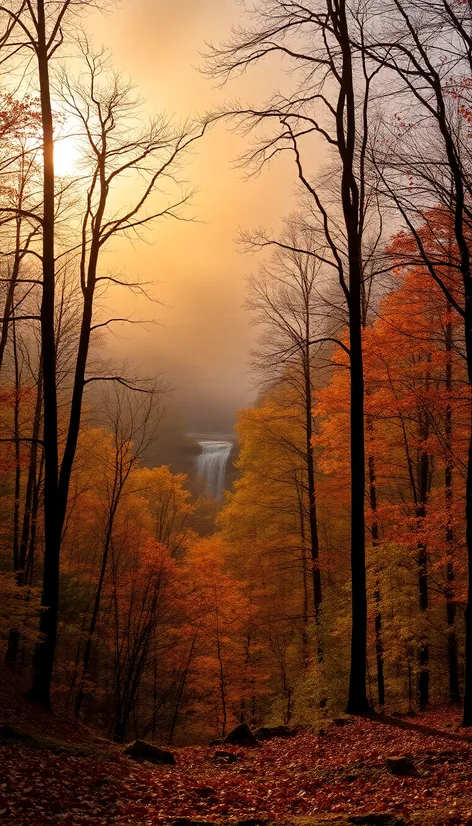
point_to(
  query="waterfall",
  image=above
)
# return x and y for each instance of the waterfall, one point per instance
(211, 465)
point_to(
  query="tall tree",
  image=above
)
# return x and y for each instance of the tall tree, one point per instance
(103, 105)
(330, 105)
(427, 163)
(286, 302)
(133, 426)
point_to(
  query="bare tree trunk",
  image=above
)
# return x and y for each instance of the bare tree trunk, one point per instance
(31, 552)
(454, 693)
(419, 493)
(22, 553)
(96, 607)
(93, 621)
(312, 515)
(128, 698)
(346, 135)
(465, 269)
(423, 651)
(222, 679)
(246, 683)
(305, 652)
(14, 634)
(16, 435)
(45, 650)
(180, 692)
(154, 699)
(6, 316)
(379, 652)
(305, 563)
(32, 474)
(357, 700)
(467, 713)
(8, 309)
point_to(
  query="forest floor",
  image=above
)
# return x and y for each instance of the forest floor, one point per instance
(53, 771)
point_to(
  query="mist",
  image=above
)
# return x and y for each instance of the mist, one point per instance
(200, 333)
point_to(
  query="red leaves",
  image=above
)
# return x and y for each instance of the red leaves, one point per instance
(344, 773)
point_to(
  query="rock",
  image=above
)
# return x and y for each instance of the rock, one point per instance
(341, 721)
(377, 819)
(269, 732)
(226, 757)
(241, 736)
(140, 750)
(216, 742)
(401, 766)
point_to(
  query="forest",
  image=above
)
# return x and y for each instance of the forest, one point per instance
(335, 577)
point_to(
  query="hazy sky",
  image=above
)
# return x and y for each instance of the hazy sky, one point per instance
(201, 345)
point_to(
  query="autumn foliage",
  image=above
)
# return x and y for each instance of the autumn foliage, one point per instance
(174, 634)
(336, 574)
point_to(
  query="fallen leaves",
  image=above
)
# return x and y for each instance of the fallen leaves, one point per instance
(344, 772)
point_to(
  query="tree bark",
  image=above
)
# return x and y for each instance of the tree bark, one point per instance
(180, 692)
(379, 652)
(346, 138)
(31, 552)
(312, 515)
(357, 699)
(452, 658)
(14, 634)
(422, 558)
(31, 480)
(43, 660)
(8, 309)
(98, 596)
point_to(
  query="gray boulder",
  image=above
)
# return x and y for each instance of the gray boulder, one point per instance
(141, 750)
(241, 736)
(401, 766)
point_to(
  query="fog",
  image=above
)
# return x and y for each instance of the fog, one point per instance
(200, 334)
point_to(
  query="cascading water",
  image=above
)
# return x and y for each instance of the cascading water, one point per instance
(211, 465)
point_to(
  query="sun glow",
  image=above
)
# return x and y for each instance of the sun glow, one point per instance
(66, 156)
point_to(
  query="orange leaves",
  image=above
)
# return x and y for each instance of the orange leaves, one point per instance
(169, 506)
(19, 118)
(221, 672)
(306, 777)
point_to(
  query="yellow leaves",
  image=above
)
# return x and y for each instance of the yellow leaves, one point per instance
(169, 505)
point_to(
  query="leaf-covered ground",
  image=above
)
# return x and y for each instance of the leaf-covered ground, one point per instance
(312, 778)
